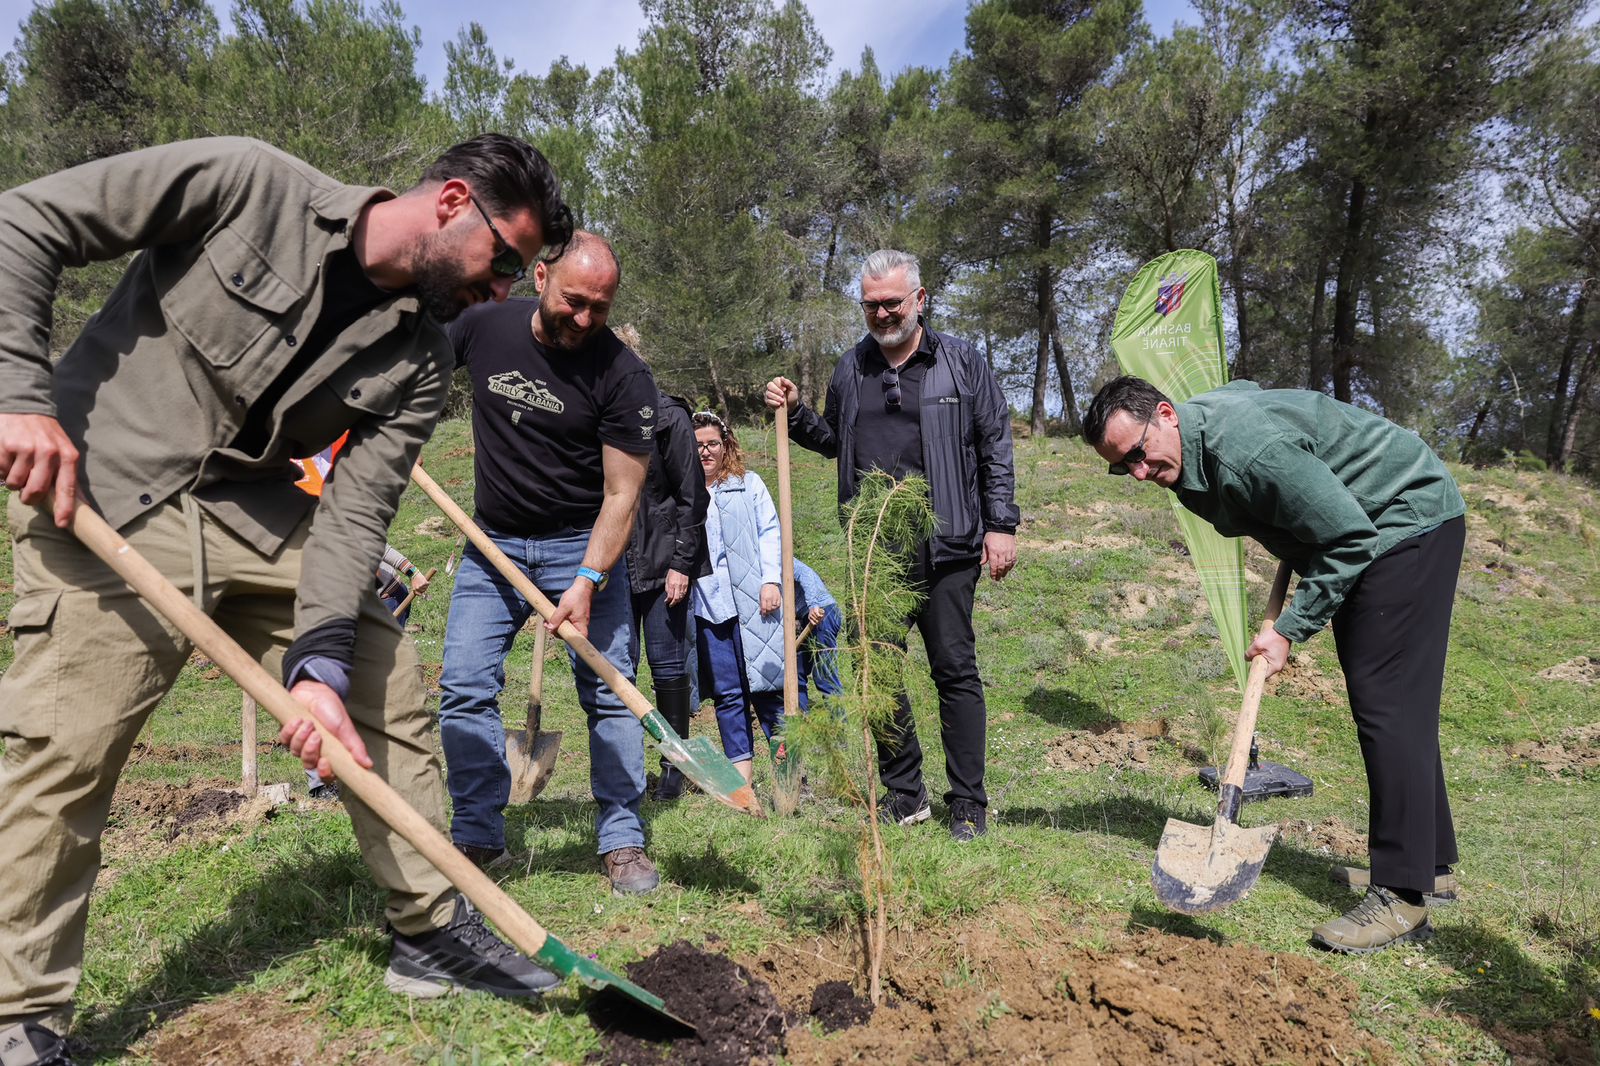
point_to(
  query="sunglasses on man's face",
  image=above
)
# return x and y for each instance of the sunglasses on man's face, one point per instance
(507, 262)
(1134, 456)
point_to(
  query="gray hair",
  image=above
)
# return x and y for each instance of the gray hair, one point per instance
(886, 261)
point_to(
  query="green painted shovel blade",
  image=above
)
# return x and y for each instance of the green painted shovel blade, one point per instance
(563, 960)
(702, 763)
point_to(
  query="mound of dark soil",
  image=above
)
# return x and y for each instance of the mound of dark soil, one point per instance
(212, 803)
(836, 1006)
(737, 1018)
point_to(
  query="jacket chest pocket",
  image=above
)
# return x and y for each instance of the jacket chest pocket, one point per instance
(228, 300)
(946, 417)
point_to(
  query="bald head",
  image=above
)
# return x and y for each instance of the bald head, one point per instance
(576, 291)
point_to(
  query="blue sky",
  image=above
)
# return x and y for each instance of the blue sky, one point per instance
(534, 33)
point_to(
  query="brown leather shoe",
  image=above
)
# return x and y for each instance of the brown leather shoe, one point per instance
(1379, 921)
(631, 872)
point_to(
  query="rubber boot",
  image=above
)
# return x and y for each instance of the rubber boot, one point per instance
(672, 700)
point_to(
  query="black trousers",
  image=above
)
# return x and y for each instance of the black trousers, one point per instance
(1392, 632)
(945, 622)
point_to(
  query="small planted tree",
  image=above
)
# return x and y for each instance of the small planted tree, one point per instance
(883, 525)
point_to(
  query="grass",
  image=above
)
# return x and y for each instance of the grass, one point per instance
(283, 908)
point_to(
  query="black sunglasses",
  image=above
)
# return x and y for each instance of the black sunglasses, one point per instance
(891, 389)
(507, 262)
(1135, 454)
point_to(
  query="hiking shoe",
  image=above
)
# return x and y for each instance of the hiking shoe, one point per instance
(1380, 920)
(463, 956)
(487, 859)
(31, 1044)
(904, 808)
(1444, 885)
(631, 872)
(669, 786)
(968, 821)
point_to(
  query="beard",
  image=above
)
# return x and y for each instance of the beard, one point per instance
(437, 274)
(895, 335)
(559, 330)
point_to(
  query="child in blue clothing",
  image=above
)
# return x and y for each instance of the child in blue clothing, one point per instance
(819, 655)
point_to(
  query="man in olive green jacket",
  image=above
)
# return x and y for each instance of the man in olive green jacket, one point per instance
(269, 308)
(1373, 523)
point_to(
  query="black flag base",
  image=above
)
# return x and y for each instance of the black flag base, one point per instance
(1264, 780)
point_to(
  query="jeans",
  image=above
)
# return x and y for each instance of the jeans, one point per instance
(722, 678)
(485, 615)
(819, 655)
(666, 632)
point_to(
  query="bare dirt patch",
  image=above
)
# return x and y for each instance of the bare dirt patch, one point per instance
(435, 527)
(146, 811)
(256, 1030)
(1304, 681)
(1584, 670)
(1108, 744)
(1576, 751)
(1015, 986)
(1330, 837)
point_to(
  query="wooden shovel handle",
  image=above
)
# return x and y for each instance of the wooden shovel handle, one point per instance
(536, 680)
(411, 594)
(791, 646)
(603, 667)
(266, 690)
(1245, 728)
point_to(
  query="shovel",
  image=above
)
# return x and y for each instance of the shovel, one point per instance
(1200, 869)
(531, 752)
(699, 761)
(411, 594)
(495, 905)
(785, 767)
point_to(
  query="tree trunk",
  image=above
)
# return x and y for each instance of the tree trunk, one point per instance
(716, 385)
(1346, 293)
(1472, 434)
(1044, 289)
(1241, 357)
(1569, 432)
(1069, 402)
(1316, 365)
(1555, 440)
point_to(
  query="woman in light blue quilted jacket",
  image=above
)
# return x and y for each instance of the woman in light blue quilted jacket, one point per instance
(737, 607)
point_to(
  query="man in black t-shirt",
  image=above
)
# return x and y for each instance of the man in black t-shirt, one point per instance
(563, 418)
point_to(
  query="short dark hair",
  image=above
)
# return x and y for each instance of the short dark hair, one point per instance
(1134, 395)
(508, 175)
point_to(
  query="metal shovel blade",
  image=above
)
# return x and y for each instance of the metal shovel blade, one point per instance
(532, 759)
(563, 960)
(703, 763)
(1205, 868)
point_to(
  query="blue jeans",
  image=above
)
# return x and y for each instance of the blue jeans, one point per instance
(485, 615)
(666, 632)
(722, 678)
(819, 655)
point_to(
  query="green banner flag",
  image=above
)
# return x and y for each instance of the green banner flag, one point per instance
(1169, 332)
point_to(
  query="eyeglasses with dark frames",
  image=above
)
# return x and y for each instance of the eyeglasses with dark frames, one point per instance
(891, 306)
(1135, 454)
(507, 262)
(707, 445)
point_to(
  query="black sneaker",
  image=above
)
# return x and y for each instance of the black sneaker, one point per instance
(31, 1044)
(464, 955)
(326, 790)
(904, 808)
(968, 821)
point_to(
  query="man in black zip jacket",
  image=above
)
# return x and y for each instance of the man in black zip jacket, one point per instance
(665, 557)
(912, 402)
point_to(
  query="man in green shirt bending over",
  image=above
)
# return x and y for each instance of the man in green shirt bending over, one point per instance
(1373, 523)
